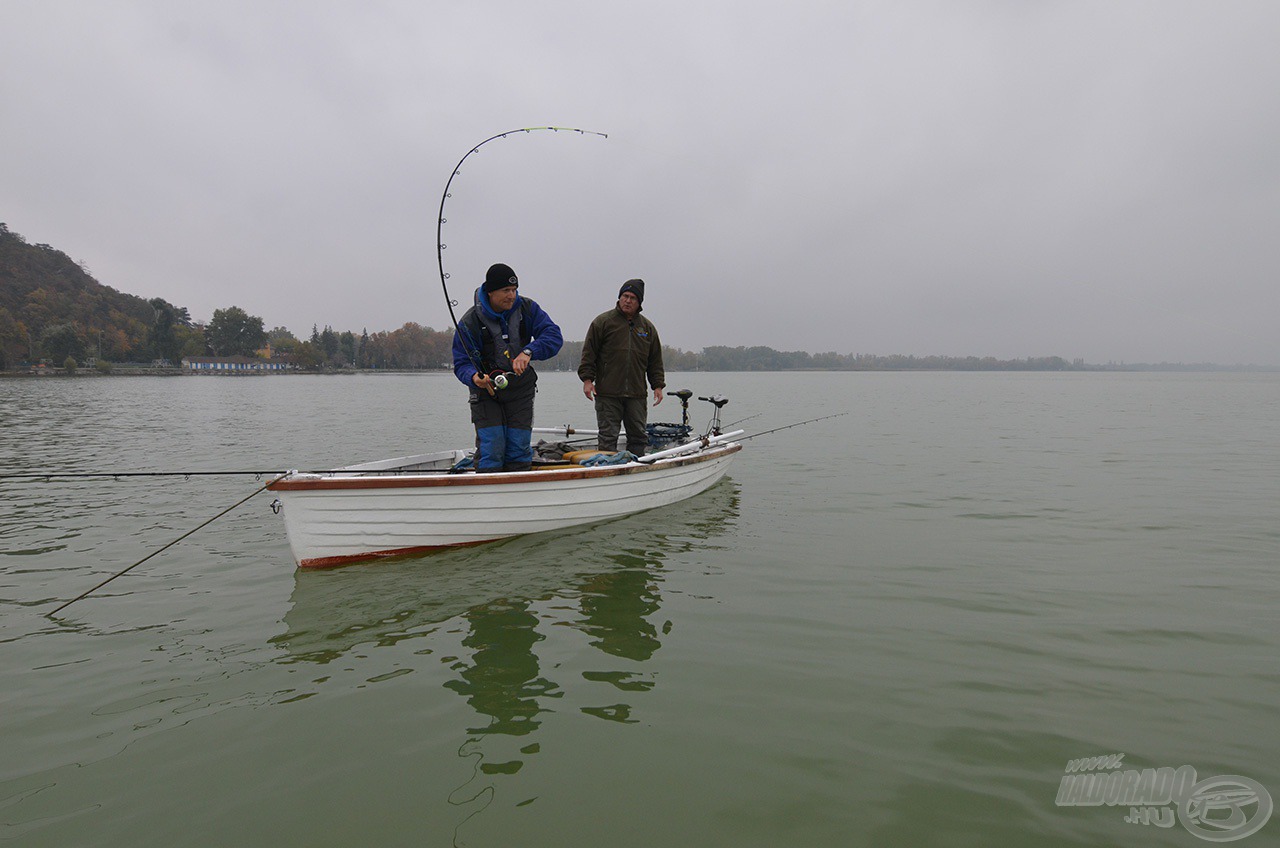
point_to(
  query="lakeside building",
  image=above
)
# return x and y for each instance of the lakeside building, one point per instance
(232, 363)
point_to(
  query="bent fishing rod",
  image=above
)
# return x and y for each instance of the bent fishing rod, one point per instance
(472, 354)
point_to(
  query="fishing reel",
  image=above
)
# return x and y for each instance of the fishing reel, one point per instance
(501, 379)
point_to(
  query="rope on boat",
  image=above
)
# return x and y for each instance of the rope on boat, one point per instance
(474, 355)
(82, 595)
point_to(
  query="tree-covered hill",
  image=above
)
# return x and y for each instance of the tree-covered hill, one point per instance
(52, 308)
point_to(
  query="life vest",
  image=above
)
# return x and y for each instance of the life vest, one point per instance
(485, 334)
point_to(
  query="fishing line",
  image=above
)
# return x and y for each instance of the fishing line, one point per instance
(474, 355)
(256, 492)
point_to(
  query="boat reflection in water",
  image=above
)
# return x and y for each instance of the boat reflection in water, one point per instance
(487, 610)
(387, 601)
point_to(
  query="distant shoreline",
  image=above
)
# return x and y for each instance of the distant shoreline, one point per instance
(127, 371)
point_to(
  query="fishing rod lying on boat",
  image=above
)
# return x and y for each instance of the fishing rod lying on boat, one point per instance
(736, 435)
(48, 476)
(695, 445)
(713, 437)
(71, 475)
(563, 431)
(789, 426)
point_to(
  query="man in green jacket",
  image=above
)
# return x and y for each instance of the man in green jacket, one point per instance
(622, 349)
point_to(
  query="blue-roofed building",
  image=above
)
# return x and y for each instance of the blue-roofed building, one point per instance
(228, 364)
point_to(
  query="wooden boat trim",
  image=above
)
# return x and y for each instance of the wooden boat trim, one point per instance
(419, 480)
(352, 559)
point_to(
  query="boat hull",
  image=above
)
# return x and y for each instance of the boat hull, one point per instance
(336, 519)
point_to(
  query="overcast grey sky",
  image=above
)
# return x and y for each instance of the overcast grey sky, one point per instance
(994, 177)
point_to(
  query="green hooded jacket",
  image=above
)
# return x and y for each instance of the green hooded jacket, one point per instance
(619, 353)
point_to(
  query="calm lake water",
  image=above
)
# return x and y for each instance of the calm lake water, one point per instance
(895, 627)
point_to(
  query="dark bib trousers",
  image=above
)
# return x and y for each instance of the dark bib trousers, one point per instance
(504, 425)
(615, 413)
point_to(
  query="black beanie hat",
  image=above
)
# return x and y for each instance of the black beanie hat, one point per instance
(499, 276)
(636, 287)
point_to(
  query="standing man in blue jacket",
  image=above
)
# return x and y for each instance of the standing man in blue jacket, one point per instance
(502, 334)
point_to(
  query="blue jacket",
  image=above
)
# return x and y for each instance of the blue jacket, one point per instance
(538, 334)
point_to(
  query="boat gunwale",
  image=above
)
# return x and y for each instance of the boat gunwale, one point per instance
(416, 480)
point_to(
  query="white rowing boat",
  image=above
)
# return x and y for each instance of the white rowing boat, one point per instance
(413, 504)
(335, 611)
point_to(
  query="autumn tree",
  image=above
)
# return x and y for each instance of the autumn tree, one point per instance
(306, 356)
(41, 288)
(162, 335)
(61, 342)
(281, 337)
(234, 332)
(362, 349)
(329, 342)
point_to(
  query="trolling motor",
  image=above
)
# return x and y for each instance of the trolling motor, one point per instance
(685, 444)
(662, 435)
(684, 395)
(718, 402)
